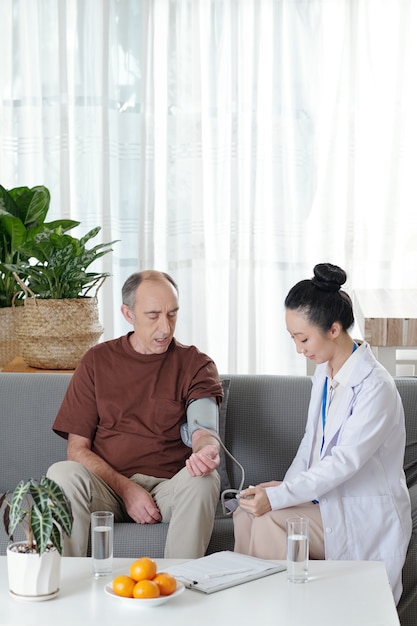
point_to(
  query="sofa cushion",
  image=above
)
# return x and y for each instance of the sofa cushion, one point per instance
(222, 469)
(407, 389)
(28, 445)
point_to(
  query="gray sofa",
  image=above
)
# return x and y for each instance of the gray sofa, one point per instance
(263, 420)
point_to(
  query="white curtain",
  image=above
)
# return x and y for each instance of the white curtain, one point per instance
(232, 143)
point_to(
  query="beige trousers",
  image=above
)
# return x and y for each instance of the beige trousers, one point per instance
(188, 503)
(265, 536)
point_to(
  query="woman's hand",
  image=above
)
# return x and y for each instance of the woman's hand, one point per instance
(254, 499)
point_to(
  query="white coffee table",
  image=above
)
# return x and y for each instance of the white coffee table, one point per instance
(346, 593)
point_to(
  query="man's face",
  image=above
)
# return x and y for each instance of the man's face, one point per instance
(153, 317)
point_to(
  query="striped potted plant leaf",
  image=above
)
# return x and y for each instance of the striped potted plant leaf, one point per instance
(42, 510)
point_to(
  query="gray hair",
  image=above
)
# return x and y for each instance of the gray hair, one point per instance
(133, 282)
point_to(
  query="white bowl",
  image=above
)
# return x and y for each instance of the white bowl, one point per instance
(144, 602)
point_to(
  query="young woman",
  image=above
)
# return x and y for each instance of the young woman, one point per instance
(347, 476)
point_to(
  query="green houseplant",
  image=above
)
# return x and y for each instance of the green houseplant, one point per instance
(59, 320)
(22, 213)
(44, 512)
(58, 268)
(42, 509)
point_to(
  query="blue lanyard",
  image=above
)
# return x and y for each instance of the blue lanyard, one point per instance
(323, 411)
(324, 403)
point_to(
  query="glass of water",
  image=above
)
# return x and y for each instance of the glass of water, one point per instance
(297, 549)
(102, 542)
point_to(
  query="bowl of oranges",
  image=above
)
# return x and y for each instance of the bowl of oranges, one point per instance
(144, 586)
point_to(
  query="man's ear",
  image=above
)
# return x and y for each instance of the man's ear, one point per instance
(127, 314)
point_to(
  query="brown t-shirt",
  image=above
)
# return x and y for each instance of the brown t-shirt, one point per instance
(132, 405)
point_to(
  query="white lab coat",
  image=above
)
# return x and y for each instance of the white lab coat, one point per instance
(359, 481)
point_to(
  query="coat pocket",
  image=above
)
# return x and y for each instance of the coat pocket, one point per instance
(373, 528)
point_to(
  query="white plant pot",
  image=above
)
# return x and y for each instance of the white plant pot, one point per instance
(32, 576)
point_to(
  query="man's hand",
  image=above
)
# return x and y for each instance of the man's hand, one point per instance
(204, 461)
(139, 504)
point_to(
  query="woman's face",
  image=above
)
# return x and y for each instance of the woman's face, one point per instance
(310, 339)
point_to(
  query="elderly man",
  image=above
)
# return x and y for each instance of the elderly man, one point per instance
(133, 408)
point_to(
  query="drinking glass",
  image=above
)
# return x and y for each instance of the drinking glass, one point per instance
(297, 549)
(102, 542)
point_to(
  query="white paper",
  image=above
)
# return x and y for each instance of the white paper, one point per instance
(221, 570)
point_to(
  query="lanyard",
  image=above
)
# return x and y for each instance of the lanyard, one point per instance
(323, 411)
(324, 406)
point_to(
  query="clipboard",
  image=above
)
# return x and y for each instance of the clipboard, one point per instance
(222, 570)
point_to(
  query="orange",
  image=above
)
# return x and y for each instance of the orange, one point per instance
(143, 569)
(166, 583)
(146, 589)
(123, 586)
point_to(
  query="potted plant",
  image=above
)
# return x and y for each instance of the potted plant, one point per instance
(60, 322)
(58, 269)
(22, 213)
(44, 512)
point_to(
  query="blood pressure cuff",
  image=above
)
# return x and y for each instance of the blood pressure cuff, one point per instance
(201, 413)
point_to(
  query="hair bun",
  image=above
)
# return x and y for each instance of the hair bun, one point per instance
(328, 277)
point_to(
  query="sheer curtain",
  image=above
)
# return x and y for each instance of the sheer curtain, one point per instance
(232, 143)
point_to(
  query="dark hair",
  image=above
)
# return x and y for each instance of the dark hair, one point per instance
(320, 298)
(133, 282)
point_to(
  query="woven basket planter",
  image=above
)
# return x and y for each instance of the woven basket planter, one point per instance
(54, 334)
(9, 348)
